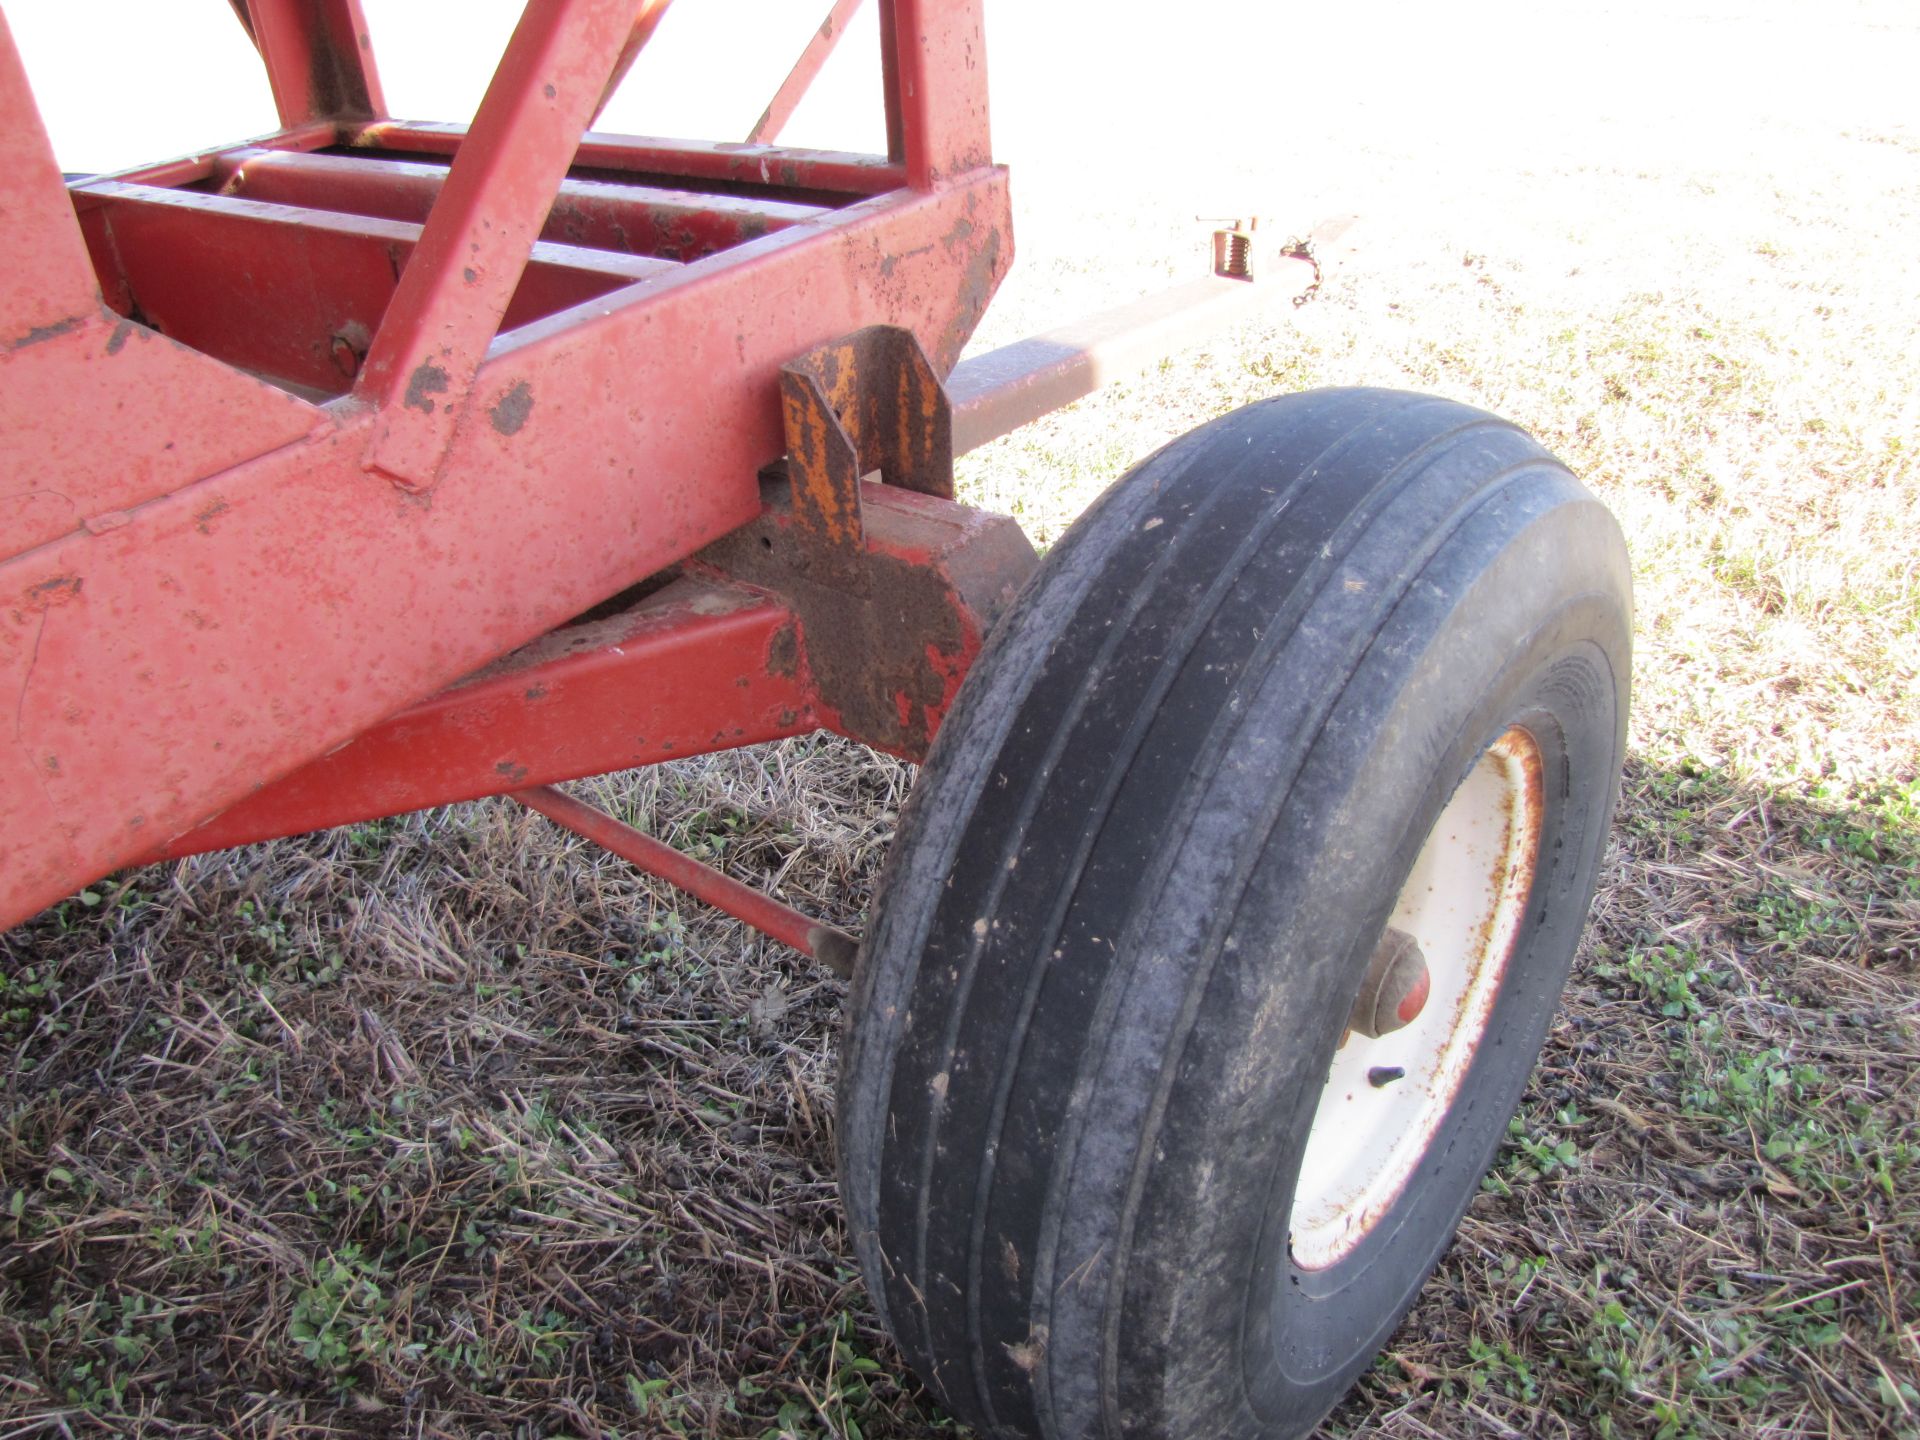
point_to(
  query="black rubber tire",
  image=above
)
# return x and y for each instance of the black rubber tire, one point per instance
(1137, 884)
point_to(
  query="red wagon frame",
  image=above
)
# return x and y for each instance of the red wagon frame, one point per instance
(373, 465)
(319, 448)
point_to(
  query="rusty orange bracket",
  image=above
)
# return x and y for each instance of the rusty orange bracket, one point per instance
(865, 402)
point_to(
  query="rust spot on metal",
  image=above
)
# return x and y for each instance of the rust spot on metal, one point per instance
(535, 692)
(426, 381)
(509, 413)
(1525, 814)
(1529, 816)
(346, 357)
(512, 771)
(783, 653)
(204, 517)
(337, 81)
(57, 591)
(119, 337)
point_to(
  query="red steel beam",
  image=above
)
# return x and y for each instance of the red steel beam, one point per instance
(770, 169)
(64, 475)
(194, 168)
(457, 286)
(319, 58)
(833, 948)
(696, 667)
(642, 220)
(794, 88)
(290, 293)
(47, 282)
(67, 364)
(940, 71)
(645, 22)
(890, 84)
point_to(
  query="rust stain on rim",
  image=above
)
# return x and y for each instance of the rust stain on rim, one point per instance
(1524, 810)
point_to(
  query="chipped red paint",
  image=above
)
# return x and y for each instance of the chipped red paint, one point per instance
(477, 240)
(884, 653)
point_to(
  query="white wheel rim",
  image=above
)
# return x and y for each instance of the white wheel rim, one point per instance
(1462, 904)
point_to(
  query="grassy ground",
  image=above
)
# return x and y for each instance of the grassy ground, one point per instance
(450, 1126)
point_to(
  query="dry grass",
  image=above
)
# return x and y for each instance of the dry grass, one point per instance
(450, 1126)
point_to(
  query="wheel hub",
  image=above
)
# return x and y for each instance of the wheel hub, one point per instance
(1423, 1005)
(1395, 990)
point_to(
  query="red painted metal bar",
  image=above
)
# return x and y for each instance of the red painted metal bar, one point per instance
(890, 84)
(319, 58)
(65, 363)
(645, 22)
(833, 948)
(289, 293)
(759, 168)
(47, 283)
(638, 219)
(194, 168)
(940, 59)
(696, 667)
(794, 88)
(457, 286)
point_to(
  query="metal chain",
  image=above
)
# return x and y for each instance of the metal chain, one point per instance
(1300, 249)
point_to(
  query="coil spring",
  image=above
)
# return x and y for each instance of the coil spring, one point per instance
(1240, 255)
